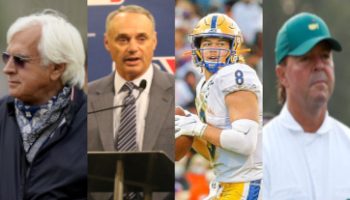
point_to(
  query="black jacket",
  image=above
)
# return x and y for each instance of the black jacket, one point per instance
(59, 169)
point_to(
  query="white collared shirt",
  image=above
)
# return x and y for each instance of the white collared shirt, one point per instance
(305, 166)
(141, 103)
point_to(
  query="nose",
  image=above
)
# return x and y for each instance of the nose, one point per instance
(133, 46)
(319, 63)
(10, 67)
(213, 50)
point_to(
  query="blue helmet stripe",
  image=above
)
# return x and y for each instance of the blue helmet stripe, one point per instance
(213, 22)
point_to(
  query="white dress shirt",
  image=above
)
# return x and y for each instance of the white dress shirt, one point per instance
(141, 103)
(305, 166)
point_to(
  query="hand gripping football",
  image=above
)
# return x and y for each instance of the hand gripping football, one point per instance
(183, 143)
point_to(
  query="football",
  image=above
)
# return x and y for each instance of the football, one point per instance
(183, 143)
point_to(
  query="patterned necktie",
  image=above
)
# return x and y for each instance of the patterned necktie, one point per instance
(126, 136)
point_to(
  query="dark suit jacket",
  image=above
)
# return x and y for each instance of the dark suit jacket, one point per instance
(159, 124)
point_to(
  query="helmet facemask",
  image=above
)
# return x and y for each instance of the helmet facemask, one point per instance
(213, 58)
(219, 26)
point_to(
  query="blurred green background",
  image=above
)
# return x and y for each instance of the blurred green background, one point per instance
(335, 13)
(74, 10)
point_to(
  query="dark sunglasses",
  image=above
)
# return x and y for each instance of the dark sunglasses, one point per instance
(18, 60)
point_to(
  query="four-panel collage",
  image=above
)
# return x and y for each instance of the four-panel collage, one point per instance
(174, 100)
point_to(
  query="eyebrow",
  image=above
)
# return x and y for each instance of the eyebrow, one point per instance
(220, 40)
(224, 40)
(142, 35)
(127, 36)
(122, 35)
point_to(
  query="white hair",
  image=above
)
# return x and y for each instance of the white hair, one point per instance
(60, 43)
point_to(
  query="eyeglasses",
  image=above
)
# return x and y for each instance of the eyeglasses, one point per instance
(19, 61)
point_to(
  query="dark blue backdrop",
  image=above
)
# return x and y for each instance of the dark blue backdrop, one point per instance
(99, 61)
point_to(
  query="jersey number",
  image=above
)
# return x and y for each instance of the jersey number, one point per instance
(239, 77)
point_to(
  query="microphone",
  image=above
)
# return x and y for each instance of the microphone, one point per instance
(142, 85)
(141, 88)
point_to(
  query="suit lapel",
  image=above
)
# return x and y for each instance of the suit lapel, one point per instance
(104, 99)
(157, 109)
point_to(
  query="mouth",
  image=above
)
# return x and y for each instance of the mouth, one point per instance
(131, 61)
(319, 78)
(13, 83)
(212, 58)
(318, 82)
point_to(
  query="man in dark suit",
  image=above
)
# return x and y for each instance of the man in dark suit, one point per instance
(146, 122)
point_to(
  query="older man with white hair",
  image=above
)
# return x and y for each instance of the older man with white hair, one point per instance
(43, 120)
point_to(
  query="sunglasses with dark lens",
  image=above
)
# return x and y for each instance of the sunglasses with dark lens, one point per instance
(18, 60)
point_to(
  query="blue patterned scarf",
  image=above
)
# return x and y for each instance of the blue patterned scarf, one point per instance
(33, 120)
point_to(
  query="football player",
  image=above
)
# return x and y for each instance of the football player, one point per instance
(227, 129)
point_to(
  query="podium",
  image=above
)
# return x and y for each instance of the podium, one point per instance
(145, 172)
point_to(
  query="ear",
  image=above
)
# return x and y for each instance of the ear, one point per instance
(155, 40)
(106, 42)
(57, 71)
(281, 75)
